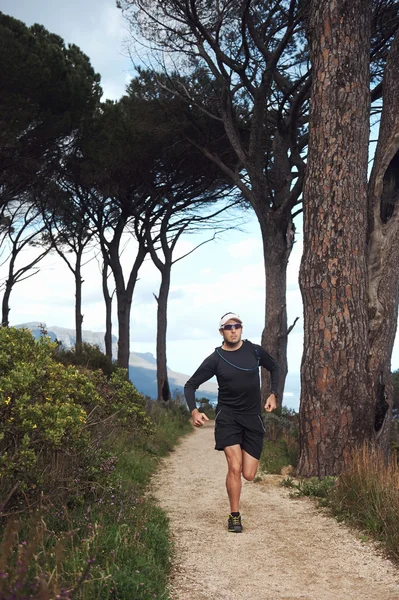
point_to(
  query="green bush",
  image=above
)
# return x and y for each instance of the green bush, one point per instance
(50, 443)
(83, 526)
(91, 357)
(313, 487)
(280, 448)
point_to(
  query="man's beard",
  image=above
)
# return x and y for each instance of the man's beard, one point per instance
(232, 344)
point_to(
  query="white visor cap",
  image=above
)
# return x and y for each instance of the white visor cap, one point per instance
(227, 317)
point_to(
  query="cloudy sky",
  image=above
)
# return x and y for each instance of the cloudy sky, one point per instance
(223, 275)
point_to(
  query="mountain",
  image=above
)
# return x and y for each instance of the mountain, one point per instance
(142, 366)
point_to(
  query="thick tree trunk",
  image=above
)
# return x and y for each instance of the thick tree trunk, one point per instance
(108, 313)
(336, 411)
(78, 304)
(162, 301)
(383, 251)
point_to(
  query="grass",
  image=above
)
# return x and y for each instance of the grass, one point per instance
(116, 548)
(275, 456)
(367, 496)
(312, 487)
(280, 447)
(364, 495)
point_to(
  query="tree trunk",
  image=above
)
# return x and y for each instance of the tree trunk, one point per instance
(383, 252)
(162, 301)
(276, 250)
(124, 293)
(124, 304)
(336, 411)
(5, 307)
(108, 313)
(6, 303)
(78, 303)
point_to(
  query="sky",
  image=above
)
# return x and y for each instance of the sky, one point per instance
(224, 275)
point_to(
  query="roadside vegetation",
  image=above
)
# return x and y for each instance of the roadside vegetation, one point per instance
(365, 495)
(77, 449)
(280, 448)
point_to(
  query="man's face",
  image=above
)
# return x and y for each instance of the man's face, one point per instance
(233, 335)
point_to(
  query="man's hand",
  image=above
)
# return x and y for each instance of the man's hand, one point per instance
(198, 418)
(271, 403)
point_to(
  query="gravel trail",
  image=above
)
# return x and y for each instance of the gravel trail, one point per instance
(288, 548)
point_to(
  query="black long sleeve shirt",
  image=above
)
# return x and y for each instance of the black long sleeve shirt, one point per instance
(237, 374)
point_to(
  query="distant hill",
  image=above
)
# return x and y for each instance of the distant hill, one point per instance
(142, 366)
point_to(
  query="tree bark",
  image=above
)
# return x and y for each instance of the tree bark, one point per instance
(162, 304)
(336, 411)
(5, 307)
(124, 304)
(108, 313)
(277, 246)
(6, 304)
(383, 251)
(78, 301)
(124, 291)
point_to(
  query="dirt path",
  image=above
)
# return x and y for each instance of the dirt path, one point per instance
(288, 548)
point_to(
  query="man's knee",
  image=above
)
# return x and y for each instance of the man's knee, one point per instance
(235, 468)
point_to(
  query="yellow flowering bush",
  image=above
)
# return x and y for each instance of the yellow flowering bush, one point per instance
(49, 420)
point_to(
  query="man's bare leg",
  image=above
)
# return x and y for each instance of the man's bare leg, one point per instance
(249, 466)
(233, 480)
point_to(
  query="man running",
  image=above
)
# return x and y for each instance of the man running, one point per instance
(239, 429)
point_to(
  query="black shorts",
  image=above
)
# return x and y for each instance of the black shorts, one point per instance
(234, 428)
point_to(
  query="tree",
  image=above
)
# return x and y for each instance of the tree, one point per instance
(246, 65)
(348, 282)
(244, 72)
(182, 214)
(68, 227)
(24, 231)
(46, 90)
(383, 252)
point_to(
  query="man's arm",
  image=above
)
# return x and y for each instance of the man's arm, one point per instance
(267, 361)
(205, 372)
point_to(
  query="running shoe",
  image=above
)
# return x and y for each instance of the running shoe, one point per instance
(234, 524)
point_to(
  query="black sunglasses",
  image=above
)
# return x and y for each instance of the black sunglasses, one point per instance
(230, 327)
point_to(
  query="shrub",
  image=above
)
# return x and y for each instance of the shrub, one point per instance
(313, 487)
(280, 448)
(90, 357)
(367, 495)
(50, 442)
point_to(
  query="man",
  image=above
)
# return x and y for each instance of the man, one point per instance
(239, 429)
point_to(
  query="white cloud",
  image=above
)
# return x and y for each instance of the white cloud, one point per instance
(246, 248)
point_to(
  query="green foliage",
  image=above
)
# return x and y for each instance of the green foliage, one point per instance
(313, 487)
(280, 448)
(275, 456)
(47, 91)
(78, 450)
(50, 416)
(91, 357)
(116, 547)
(206, 407)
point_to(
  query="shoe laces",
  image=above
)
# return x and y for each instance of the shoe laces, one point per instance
(235, 520)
